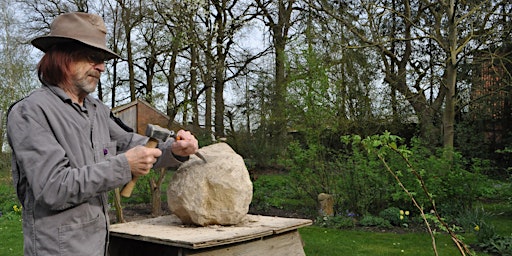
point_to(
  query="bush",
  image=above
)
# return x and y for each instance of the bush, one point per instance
(498, 245)
(486, 237)
(374, 221)
(275, 191)
(337, 222)
(391, 214)
(443, 173)
(473, 220)
(7, 194)
(357, 181)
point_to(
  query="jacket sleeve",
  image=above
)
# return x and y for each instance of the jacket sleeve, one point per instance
(45, 163)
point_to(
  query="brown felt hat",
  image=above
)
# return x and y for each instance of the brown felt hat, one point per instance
(80, 27)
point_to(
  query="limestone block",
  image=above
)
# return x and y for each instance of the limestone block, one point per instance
(218, 192)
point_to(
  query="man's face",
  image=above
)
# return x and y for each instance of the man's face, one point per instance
(86, 71)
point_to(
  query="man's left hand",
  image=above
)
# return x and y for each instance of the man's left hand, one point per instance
(185, 144)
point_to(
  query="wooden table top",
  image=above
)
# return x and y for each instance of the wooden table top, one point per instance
(169, 230)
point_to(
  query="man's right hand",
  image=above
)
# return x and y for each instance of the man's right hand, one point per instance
(141, 159)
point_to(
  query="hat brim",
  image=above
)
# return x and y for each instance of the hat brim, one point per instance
(44, 43)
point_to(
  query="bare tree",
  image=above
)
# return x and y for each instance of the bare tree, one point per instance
(401, 32)
(277, 16)
(131, 16)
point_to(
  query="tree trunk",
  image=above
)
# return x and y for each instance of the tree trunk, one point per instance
(451, 80)
(208, 83)
(193, 88)
(219, 74)
(118, 206)
(156, 193)
(279, 26)
(171, 95)
(128, 25)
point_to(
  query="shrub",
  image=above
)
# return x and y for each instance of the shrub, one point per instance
(443, 174)
(498, 245)
(374, 221)
(473, 220)
(357, 181)
(391, 214)
(7, 194)
(486, 237)
(337, 222)
(275, 191)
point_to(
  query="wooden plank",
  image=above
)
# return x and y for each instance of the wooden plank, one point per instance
(284, 244)
(169, 230)
(288, 243)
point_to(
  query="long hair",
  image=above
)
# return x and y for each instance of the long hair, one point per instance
(53, 68)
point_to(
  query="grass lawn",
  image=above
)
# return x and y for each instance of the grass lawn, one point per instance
(317, 242)
(501, 217)
(320, 241)
(11, 236)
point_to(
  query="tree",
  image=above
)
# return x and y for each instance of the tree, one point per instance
(131, 16)
(277, 16)
(16, 64)
(221, 22)
(421, 46)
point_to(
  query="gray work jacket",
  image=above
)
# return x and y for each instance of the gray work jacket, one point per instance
(65, 158)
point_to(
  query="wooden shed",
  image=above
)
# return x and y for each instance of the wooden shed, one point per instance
(139, 113)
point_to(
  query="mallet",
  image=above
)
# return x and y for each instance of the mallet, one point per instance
(154, 132)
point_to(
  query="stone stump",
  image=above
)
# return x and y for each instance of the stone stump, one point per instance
(217, 192)
(326, 204)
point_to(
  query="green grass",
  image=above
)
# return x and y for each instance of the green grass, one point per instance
(320, 241)
(501, 217)
(317, 242)
(11, 235)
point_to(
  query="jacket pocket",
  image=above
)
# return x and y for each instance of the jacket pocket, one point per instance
(87, 238)
(108, 150)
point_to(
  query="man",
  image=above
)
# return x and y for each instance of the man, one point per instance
(67, 152)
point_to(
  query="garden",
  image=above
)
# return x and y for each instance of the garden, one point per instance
(390, 199)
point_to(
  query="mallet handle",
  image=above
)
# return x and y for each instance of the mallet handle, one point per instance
(128, 188)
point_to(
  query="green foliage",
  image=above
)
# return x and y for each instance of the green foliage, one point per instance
(336, 222)
(439, 175)
(487, 238)
(391, 214)
(473, 220)
(374, 221)
(142, 190)
(256, 147)
(498, 245)
(309, 174)
(275, 191)
(8, 197)
(365, 187)
(396, 216)
(10, 215)
(453, 188)
(356, 181)
(497, 190)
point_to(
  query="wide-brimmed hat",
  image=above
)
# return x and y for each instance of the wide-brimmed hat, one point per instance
(80, 27)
